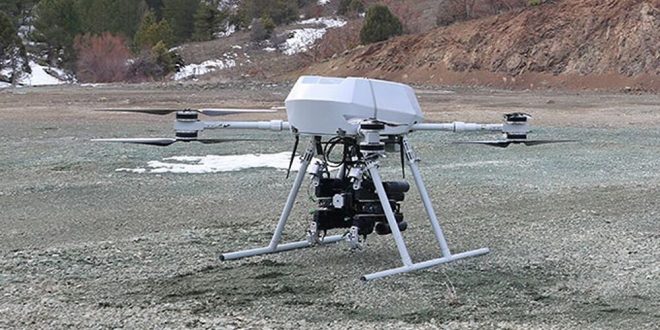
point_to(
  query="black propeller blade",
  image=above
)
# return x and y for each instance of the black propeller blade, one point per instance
(537, 142)
(206, 111)
(501, 144)
(162, 142)
(505, 143)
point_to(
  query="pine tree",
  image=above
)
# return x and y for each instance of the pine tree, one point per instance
(13, 58)
(380, 25)
(280, 11)
(152, 32)
(207, 21)
(56, 25)
(165, 59)
(180, 14)
(350, 7)
(157, 7)
(119, 17)
(18, 10)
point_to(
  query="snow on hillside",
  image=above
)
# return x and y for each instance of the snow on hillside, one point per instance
(228, 30)
(192, 71)
(38, 77)
(302, 39)
(41, 77)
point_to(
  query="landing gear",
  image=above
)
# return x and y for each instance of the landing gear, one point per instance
(379, 204)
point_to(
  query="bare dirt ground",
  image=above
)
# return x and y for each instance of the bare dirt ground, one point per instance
(574, 228)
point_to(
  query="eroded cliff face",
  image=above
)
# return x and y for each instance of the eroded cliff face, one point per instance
(570, 43)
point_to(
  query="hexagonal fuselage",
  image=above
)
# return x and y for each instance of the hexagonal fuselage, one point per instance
(328, 106)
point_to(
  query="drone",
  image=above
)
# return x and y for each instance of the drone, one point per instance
(361, 119)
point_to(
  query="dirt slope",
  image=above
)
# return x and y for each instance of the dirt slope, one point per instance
(610, 44)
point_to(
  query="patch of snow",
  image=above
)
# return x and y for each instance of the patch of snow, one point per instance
(215, 164)
(323, 2)
(270, 49)
(195, 70)
(326, 21)
(228, 4)
(39, 76)
(303, 39)
(4, 85)
(133, 170)
(236, 47)
(229, 30)
(478, 164)
(24, 31)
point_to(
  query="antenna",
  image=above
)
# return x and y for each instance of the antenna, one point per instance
(373, 96)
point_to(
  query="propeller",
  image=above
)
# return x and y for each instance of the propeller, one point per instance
(162, 142)
(505, 143)
(205, 111)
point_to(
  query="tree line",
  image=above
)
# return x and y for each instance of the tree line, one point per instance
(110, 40)
(67, 33)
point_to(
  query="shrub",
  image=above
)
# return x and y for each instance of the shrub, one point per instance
(451, 11)
(379, 25)
(102, 58)
(350, 7)
(13, 58)
(334, 42)
(152, 32)
(261, 29)
(153, 64)
(280, 11)
(410, 17)
(208, 20)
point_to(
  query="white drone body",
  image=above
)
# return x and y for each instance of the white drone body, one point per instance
(364, 116)
(331, 106)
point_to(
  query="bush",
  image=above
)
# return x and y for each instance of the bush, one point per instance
(13, 58)
(350, 7)
(153, 64)
(180, 14)
(334, 42)
(451, 11)
(152, 32)
(208, 20)
(379, 25)
(164, 58)
(280, 11)
(102, 58)
(261, 29)
(56, 24)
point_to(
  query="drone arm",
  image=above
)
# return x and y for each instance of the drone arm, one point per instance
(272, 125)
(457, 126)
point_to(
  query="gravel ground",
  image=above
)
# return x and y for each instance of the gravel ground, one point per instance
(573, 228)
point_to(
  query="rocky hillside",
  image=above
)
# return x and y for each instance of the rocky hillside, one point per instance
(591, 44)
